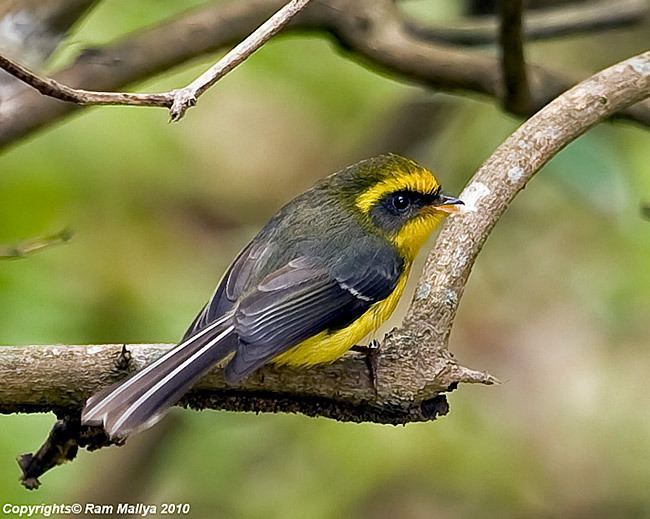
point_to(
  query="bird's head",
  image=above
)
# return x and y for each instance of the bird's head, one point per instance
(398, 198)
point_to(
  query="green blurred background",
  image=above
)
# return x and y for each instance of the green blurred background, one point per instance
(557, 305)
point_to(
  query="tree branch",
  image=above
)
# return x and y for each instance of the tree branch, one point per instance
(35, 245)
(370, 29)
(386, 44)
(506, 172)
(177, 101)
(414, 365)
(187, 96)
(539, 24)
(43, 378)
(513, 63)
(31, 30)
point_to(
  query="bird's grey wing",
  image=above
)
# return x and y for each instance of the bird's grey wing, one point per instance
(244, 268)
(304, 298)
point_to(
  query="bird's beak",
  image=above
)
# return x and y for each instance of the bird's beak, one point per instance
(448, 204)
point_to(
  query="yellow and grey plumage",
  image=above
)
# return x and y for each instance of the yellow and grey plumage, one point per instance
(323, 273)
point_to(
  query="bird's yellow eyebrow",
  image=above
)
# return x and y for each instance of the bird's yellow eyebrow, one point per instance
(420, 180)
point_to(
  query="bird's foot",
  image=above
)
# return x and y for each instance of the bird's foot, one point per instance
(371, 353)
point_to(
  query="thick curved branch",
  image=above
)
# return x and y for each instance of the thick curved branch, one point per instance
(370, 29)
(498, 181)
(414, 366)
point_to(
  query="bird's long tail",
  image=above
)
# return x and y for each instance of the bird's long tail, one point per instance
(139, 401)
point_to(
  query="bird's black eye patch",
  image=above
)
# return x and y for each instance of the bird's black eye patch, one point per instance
(404, 202)
(396, 208)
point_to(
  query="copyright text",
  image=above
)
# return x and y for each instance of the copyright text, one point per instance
(61, 509)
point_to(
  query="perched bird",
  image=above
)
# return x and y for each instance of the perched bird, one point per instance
(327, 270)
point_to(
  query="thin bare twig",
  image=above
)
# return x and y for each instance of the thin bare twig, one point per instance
(35, 245)
(516, 98)
(31, 30)
(52, 88)
(539, 24)
(186, 97)
(177, 101)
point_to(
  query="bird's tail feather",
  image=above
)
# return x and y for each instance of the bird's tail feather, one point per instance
(142, 399)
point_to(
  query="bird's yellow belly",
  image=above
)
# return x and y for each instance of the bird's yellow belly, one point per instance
(328, 346)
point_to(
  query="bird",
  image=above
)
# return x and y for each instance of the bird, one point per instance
(325, 271)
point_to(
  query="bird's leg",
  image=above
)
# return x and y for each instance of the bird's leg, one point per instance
(371, 353)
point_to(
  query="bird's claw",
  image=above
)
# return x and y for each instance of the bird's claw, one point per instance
(371, 353)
